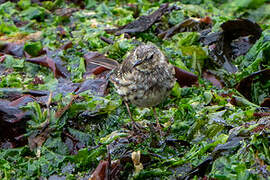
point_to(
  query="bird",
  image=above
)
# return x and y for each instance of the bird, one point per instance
(145, 78)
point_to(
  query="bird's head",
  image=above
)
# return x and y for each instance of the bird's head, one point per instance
(146, 57)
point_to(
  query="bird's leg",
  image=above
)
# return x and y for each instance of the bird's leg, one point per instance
(155, 114)
(130, 115)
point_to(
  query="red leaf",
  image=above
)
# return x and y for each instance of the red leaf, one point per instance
(212, 78)
(185, 78)
(22, 101)
(2, 58)
(48, 62)
(100, 173)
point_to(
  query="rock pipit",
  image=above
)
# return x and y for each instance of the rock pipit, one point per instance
(145, 78)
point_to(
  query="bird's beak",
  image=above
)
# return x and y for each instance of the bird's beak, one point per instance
(138, 62)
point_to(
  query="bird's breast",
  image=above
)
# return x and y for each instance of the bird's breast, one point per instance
(145, 89)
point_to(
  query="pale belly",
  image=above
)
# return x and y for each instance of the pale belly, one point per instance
(150, 98)
(146, 95)
(145, 90)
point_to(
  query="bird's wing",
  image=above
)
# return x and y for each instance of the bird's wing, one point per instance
(121, 74)
(118, 76)
(127, 65)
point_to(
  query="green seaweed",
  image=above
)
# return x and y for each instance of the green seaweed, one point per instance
(208, 132)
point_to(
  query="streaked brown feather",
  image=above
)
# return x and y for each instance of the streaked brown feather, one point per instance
(149, 83)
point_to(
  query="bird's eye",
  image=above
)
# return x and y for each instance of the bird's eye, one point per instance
(149, 57)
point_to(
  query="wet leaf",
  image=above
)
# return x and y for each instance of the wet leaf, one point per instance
(22, 101)
(7, 28)
(37, 13)
(200, 170)
(57, 69)
(24, 4)
(99, 59)
(143, 22)
(235, 39)
(185, 78)
(65, 11)
(97, 86)
(101, 170)
(213, 79)
(37, 140)
(265, 103)
(10, 113)
(13, 122)
(109, 41)
(60, 112)
(75, 123)
(248, 3)
(188, 25)
(12, 49)
(246, 85)
(33, 48)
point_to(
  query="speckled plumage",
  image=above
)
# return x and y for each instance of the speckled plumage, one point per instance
(145, 78)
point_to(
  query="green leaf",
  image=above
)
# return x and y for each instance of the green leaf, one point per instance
(176, 91)
(84, 138)
(37, 13)
(24, 4)
(7, 9)
(241, 4)
(111, 137)
(11, 62)
(86, 158)
(90, 4)
(57, 146)
(33, 48)
(52, 5)
(13, 80)
(7, 28)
